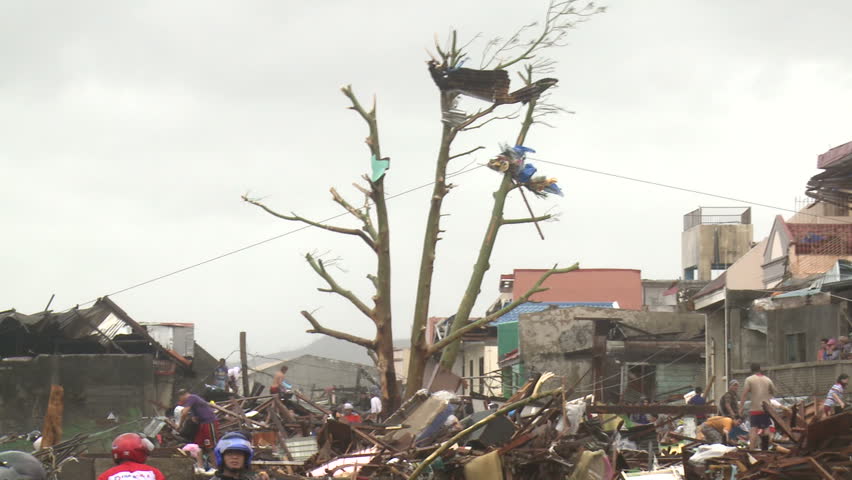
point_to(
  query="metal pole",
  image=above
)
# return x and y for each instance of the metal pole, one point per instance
(244, 363)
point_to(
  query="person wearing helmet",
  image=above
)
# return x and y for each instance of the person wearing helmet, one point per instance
(20, 466)
(233, 455)
(130, 452)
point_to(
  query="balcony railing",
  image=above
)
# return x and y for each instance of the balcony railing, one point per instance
(802, 379)
(717, 216)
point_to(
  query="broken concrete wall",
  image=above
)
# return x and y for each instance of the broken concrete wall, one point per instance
(95, 386)
(561, 340)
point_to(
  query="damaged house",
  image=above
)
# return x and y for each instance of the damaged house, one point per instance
(630, 354)
(108, 364)
(775, 304)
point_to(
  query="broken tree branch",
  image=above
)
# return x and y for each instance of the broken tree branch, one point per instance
(369, 344)
(362, 214)
(510, 116)
(319, 268)
(536, 288)
(369, 117)
(516, 221)
(466, 153)
(331, 228)
(476, 116)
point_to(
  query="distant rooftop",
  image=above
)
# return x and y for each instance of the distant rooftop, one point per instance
(836, 156)
(717, 216)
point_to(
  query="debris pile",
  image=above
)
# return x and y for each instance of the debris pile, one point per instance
(805, 447)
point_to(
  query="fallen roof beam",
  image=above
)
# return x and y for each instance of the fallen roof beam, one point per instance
(653, 409)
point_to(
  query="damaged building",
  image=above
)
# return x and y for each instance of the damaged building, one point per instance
(629, 354)
(131, 370)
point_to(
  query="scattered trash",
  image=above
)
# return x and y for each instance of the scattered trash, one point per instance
(512, 160)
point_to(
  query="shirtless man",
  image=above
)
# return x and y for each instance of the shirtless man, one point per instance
(759, 388)
(279, 385)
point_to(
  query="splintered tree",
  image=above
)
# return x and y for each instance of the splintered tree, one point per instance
(489, 83)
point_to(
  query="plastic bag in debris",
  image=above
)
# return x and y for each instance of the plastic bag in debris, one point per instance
(623, 443)
(592, 466)
(706, 452)
(574, 411)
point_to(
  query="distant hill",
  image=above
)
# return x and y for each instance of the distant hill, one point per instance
(329, 348)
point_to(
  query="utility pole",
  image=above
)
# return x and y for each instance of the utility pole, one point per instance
(244, 363)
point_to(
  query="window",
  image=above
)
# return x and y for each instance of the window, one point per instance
(795, 348)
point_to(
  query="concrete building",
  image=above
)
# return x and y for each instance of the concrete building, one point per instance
(713, 239)
(614, 353)
(593, 287)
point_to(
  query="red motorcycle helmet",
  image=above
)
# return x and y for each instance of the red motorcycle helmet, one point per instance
(131, 446)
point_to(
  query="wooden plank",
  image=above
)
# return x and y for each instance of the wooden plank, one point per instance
(780, 423)
(819, 468)
(653, 409)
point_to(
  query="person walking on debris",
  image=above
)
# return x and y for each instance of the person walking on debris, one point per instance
(758, 388)
(279, 385)
(130, 451)
(348, 414)
(729, 404)
(234, 379)
(642, 418)
(233, 455)
(718, 429)
(375, 406)
(698, 399)
(834, 403)
(220, 375)
(16, 465)
(208, 425)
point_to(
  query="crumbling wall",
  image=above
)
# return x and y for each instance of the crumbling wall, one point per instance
(95, 386)
(560, 341)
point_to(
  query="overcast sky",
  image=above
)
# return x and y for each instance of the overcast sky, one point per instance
(129, 130)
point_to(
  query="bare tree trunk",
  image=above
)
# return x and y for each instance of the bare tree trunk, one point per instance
(382, 311)
(482, 265)
(419, 354)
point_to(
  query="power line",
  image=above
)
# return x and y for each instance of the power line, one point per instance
(459, 172)
(267, 240)
(684, 189)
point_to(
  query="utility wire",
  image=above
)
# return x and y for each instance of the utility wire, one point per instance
(684, 189)
(267, 240)
(459, 172)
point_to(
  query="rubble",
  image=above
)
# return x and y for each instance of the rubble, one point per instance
(537, 434)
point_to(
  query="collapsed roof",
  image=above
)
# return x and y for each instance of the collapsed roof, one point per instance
(102, 328)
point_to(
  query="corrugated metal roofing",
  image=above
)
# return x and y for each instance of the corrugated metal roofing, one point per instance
(533, 307)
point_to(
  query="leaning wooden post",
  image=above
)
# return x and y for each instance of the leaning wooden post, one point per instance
(52, 428)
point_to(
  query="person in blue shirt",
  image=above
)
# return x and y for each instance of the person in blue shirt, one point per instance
(698, 399)
(220, 374)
